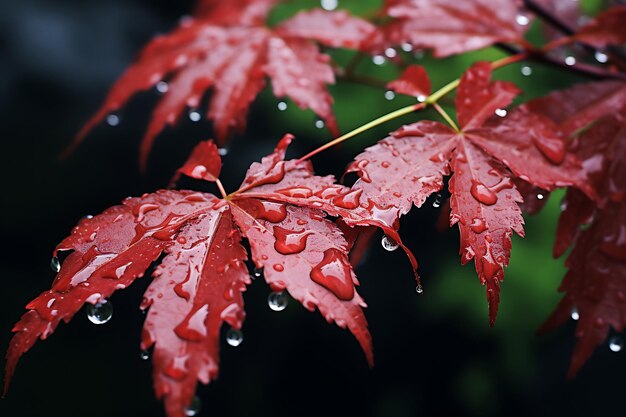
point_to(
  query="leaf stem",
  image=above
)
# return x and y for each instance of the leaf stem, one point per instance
(446, 116)
(365, 127)
(221, 188)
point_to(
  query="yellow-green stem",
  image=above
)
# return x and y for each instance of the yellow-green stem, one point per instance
(446, 116)
(221, 188)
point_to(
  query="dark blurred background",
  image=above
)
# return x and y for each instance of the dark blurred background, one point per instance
(435, 353)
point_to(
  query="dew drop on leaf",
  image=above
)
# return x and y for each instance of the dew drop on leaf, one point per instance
(113, 120)
(574, 314)
(194, 408)
(257, 272)
(55, 264)
(391, 53)
(526, 71)
(277, 300)
(144, 355)
(419, 289)
(329, 4)
(282, 106)
(616, 344)
(234, 337)
(501, 112)
(378, 60)
(389, 244)
(437, 202)
(540, 196)
(101, 312)
(570, 60)
(421, 98)
(601, 57)
(406, 47)
(195, 116)
(162, 87)
(522, 19)
(390, 95)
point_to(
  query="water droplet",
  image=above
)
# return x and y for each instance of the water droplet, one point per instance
(113, 120)
(195, 116)
(540, 196)
(282, 106)
(389, 244)
(406, 47)
(482, 194)
(391, 53)
(421, 98)
(526, 71)
(234, 337)
(501, 112)
(601, 57)
(419, 289)
(222, 151)
(290, 241)
(522, 19)
(329, 4)
(335, 274)
(616, 344)
(349, 201)
(378, 60)
(277, 300)
(144, 355)
(162, 87)
(194, 407)
(257, 272)
(193, 327)
(55, 264)
(563, 204)
(101, 312)
(570, 60)
(437, 202)
(390, 95)
(319, 123)
(574, 314)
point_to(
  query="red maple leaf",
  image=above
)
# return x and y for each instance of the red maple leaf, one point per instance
(485, 156)
(605, 29)
(594, 114)
(452, 27)
(226, 48)
(200, 281)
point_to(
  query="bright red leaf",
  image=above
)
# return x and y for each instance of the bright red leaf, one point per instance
(405, 168)
(228, 49)
(452, 27)
(414, 82)
(199, 283)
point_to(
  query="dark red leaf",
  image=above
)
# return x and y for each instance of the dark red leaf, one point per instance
(606, 29)
(204, 163)
(452, 27)
(227, 49)
(414, 81)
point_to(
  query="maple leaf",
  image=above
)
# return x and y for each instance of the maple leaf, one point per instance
(228, 49)
(452, 27)
(413, 81)
(605, 29)
(594, 285)
(484, 157)
(199, 283)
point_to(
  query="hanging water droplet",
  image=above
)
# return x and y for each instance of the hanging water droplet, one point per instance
(563, 205)
(437, 202)
(526, 71)
(390, 95)
(162, 87)
(522, 19)
(501, 112)
(601, 57)
(222, 151)
(55, 264)
(389, 244)
(378, 60)
(421, 98)
(391, 53)
(570, 60)
(257, 272)
(234, 337)
(419, 289)
(282, 105)
(574, 314)
(113, 120)
(194, 407)
(277, 300)
(144, 355)
(406, 47)
(195, 116)
(101, 312)
(616, 344)
(319, 123)
(329, 4)
(540, 196)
